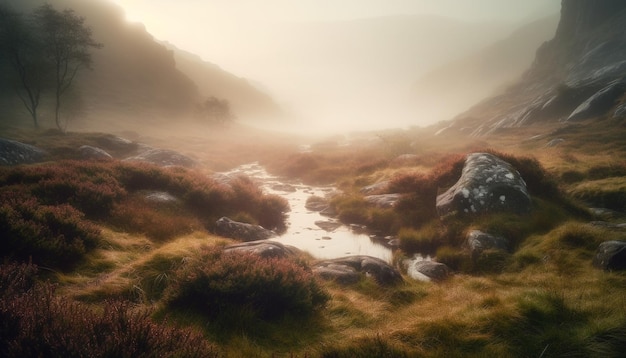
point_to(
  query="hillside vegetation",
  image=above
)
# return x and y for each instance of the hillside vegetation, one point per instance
(156, 272)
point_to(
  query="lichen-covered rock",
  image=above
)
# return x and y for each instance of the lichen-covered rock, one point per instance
(265, 249)
(163, 158)
(93, 153)
(15, 153)
(241, 231)
(350, 269)
(479, 241)
(487, 184)
(611, 255)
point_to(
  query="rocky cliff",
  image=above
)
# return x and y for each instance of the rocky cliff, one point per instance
(578, 75)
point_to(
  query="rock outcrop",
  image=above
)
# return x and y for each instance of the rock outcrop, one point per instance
(577, 75)
(479, 241)
(349, 270)
(427, 270)
(241, 231)
(487, 184)
(611, 255)
(15, 153)
(88, 152)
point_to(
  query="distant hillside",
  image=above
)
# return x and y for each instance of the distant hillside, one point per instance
(136, 78)
(247, 101)
(578, 75)
(455, 86)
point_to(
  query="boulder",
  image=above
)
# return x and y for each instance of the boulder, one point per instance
(116, 143)
(241, 231)
(479, 241)
(427, 270)
(316, 203)
(265, 249)
(383, 200)
(347, 270)
(163, 158)
(611, 255)
(93, 153)
(15, 153)
(328, 225)
(487, 184)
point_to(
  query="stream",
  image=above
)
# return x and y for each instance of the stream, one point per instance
(302, 231)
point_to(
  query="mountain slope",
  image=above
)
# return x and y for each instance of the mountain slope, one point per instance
(578, 75)
(248, 102)
(455, 86)
(137, 79)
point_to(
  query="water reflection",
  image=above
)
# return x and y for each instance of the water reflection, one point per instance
(302, 232)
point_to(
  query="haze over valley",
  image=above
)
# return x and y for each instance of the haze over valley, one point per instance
(312, 178)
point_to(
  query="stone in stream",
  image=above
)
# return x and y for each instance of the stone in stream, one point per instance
(328, 226)
(316, 203)
(350, 269)
(241, 231)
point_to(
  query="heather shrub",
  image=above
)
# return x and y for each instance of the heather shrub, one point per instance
(267, 210)
(16, 278)
(88, 187)
(425, 240)
(351, 209)
(52, 236)
(40, 324)
(226, 285)
(156, 222)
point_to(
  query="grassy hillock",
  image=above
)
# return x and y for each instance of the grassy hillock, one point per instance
(84, 253)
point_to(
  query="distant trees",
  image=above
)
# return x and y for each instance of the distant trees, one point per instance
(215, 110)
(46, 50)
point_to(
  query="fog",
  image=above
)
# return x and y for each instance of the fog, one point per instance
(337, 65)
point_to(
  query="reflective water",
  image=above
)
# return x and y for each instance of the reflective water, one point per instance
(302, 232)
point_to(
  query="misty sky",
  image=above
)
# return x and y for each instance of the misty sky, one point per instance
(250, 38)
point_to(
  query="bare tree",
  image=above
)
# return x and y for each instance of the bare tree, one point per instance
(22, 49)
(67, 43)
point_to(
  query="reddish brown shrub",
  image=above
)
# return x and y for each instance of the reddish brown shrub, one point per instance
(158, 224)
(53, 236)
(220, 285)
(40, 324)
